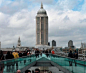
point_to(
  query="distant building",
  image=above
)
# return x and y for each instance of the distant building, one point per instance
(42, 29)
(53, 43)
(70, 43)
(19, 43)
(83, 45)
(48, 43)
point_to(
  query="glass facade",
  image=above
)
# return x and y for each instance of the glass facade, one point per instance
(42, 30)
(38, 30)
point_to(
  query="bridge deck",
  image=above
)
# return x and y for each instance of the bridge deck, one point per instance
(77, 66)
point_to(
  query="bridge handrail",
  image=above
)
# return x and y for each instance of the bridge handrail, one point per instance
(17, 58)
(68, 57)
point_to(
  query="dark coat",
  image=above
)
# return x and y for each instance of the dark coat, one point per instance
(24, 54)
(70, 55)
(9, 56)
(1, 57)
(20, 54)
(76, 55)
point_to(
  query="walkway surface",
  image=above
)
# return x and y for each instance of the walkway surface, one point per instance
(78, 66)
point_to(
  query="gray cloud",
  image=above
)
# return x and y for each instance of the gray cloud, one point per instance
(43, 1)
(66, 18)
(15, 23)
(84, 20)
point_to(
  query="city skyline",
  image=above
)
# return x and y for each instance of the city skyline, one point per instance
(67, 21)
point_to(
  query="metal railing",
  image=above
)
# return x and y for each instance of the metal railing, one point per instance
(71, 64)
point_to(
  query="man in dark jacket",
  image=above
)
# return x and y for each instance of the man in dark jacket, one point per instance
(1, 63)
(71, 56)
(47, 53)
(37, 70)
(75, 56)
(1, 55)
(36, 53)
(25, 54)
(20, 54)
(8, 56)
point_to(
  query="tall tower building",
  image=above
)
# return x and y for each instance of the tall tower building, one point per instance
(70, 43)
(19, 43)
(41, 28)
(53, 43)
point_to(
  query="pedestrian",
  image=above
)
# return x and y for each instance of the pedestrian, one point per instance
(1, 63)
(12, 57)
(37, 70)
(41, 52)
(20, 54)
(50, 72)
(16, 55)
(71, 56)
(1, 55)
(53, 52)
(36, 53)
(12, 62)
(28, 71)
(8, 56)
(75, 56)
(18, 71)
(47, 53)
(25, 54)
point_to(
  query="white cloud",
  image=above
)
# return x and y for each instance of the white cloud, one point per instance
(64, 25)
(1, 2)
(83, 10)
(43, 1)
(66, 4)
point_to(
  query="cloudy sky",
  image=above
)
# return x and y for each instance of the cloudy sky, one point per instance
(67, 21)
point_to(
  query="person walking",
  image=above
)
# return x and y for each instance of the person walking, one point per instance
(75, 56)
(37, 70)
(47, 53)
(28, 71)
(50, 72)
(18, 71)
(16, 55)
(25, 54)
(1, 63)
(53, 52)
(1, 55)
(36, 53)
(8, 56)
(71, 56)
(20, 54)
